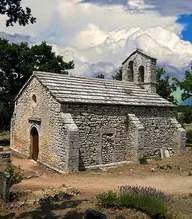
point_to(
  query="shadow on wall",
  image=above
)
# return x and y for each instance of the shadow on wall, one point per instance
(81, 163)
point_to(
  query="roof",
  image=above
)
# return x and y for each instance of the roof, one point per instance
(140, 52)
(69, 89)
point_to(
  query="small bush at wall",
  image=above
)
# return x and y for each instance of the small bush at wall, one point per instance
(143, 160)
(146, 199)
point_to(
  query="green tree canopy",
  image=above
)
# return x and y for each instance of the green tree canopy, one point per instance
(100, 76)
(17, 63)
(15, 13)
(185, 85)
(118, 75)
(164, 85)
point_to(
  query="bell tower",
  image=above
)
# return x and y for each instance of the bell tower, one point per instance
(140, 69)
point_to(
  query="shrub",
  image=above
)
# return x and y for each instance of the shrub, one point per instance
(107, 199)
(190, 172)
(153, 206)
(14, 176)
(148, 191)
(143, 160)
(146, 199)
(189, 135)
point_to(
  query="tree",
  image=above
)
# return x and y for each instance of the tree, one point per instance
(118, 75)
(164, 86)
(100, 76)
(15, 13)
(17, 63)
(185, 85)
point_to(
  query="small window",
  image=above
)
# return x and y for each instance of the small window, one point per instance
(34, 98)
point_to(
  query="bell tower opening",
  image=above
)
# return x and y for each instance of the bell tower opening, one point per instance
(141, 74)
(130, 71)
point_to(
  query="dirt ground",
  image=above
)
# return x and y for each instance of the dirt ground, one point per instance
(172, 181)
(169, 175)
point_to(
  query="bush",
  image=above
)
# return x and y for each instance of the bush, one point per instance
(143, 160)
(146, 199)
(107, 199)
(189, 135)
(14, 176)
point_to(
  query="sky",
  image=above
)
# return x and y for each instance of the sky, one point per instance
(100, 34)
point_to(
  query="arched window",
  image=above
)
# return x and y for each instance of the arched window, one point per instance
(141, 73)
(34, 98)
(130, 71)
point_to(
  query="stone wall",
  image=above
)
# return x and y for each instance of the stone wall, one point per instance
(45, 116)
(73, 137)
(102, 126)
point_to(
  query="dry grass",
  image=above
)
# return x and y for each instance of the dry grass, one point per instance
(4, 136)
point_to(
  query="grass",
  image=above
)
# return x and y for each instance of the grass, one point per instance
(148, 200)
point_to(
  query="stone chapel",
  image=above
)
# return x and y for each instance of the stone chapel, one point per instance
(74, 123)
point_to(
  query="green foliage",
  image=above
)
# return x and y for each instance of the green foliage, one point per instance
(143, 160)
(15, 175)
(153, 206)
(100, 76)
(15, 13)
(164, 86)
(187, 115)
(190, 172)
(107, 199)
(189, 135)
(118, 75)
(186, 85)
(17, 62)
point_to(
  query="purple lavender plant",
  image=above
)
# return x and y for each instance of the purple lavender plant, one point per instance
(148, 191)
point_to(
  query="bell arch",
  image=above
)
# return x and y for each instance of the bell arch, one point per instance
(141, 74)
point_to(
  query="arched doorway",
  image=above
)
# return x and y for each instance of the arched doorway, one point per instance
(34, 144)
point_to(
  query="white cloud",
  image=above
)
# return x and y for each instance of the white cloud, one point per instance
(99, 38)
(138, 5)
(114, 47)
(77, 16)
(168, 7)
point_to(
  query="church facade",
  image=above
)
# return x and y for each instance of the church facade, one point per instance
(71, 123)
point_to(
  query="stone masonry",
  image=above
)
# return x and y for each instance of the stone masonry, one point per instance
(70, 123)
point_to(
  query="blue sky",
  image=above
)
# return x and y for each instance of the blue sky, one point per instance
(99, 34)
(186, 20)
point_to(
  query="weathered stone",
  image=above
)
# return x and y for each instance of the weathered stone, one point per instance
(76, 123)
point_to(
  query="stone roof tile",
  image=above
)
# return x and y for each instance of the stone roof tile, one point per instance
(98, 91)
